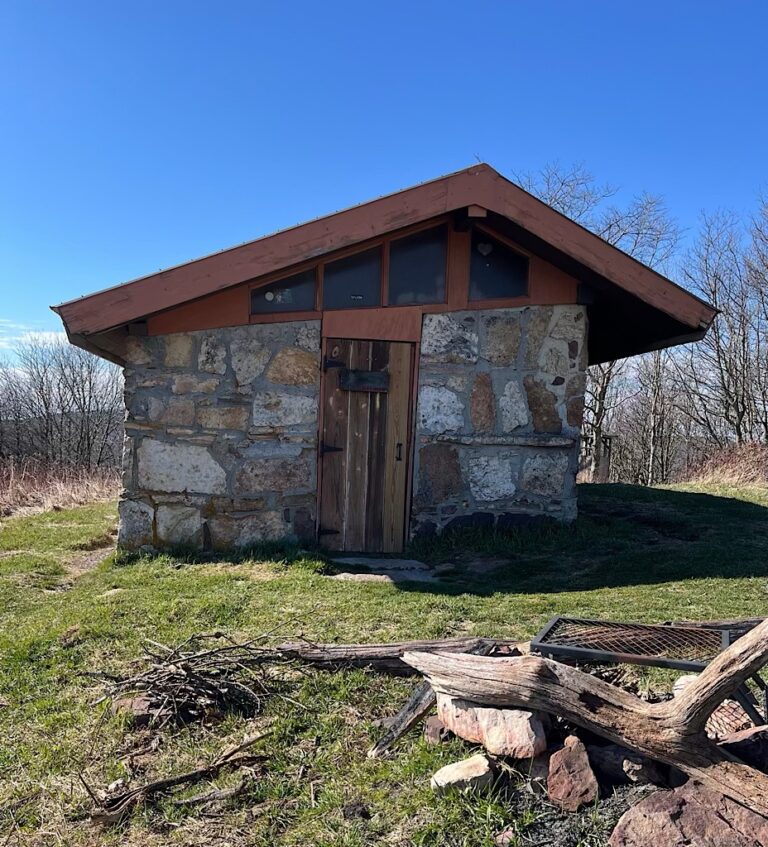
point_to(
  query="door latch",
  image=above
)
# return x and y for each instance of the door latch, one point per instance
(399, 451)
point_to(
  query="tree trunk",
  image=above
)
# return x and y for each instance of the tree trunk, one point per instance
(671, 732)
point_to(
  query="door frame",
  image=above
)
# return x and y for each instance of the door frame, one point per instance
(371, 335)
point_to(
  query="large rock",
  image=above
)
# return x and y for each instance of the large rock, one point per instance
(212, 357)
(435, 731)
(482, 404)
(440, 410)
(491, 477)
(544, 474)
(258, 475)
(690, 816)
(249, 356)
(502, 338)
(543, 405)
(278, 408)
(136, 524)
(179, 467)
(449, 338)
(503, 732)
(513, 408)
(571, 782)
(439, 474)
(475, 773)
(294, 366)
(179, 525)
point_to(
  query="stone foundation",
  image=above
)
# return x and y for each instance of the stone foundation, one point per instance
(221, 437)
(500, 402)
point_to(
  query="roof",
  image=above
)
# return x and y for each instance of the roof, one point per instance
(562, 241)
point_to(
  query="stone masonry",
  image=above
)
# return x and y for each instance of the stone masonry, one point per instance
(500, 403)
(221, 436)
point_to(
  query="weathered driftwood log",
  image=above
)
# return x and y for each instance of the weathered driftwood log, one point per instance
(386, 658)
(671, 732)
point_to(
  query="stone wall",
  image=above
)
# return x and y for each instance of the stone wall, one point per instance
(500, 402)
(221, 436)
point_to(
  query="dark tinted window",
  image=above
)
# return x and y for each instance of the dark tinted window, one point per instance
(353, 282)
(495, 270)
(292, 294)
(417, 268)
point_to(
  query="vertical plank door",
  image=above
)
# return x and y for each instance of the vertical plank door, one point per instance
(365, 441)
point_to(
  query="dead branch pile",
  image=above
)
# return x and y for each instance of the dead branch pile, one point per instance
(203, 678)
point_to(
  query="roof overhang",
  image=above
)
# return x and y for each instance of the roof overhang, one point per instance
(677, 313)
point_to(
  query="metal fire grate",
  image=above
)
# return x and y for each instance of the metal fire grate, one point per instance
(683, 648)
(686, 648)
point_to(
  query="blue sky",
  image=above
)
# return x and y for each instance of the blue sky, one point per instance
(138, 135)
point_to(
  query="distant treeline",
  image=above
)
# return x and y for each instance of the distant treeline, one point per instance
(61, 405)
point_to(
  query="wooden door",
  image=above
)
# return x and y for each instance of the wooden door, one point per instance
(365, 444)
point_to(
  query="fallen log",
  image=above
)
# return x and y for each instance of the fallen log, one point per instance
(386, 658)
(670, 732)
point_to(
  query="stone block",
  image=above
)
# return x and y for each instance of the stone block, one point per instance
(179, 525)
(439, 474)
(176, 411)
(482, 404)
(258, 475)
(278, 408)
(249, 356)
(449, 338)
(543, 406)
(308, 336)
(491, 477)
(294, 366)
(212, 357)
(440, 410)
(224, 417)
(179, 467)
(179, 350)
(544, 474)
(503, 732)
(232, 531)
(138, 350)
(536, 332)
(191, 384)
(513, 408)
(135, 528)
(501, 342)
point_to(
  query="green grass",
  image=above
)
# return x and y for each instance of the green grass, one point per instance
(637, 554)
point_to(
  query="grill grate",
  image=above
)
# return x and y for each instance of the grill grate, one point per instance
(685, 648)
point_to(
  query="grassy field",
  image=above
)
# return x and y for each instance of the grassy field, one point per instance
(68, 607)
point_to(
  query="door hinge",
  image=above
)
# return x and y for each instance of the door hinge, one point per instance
(327, 448)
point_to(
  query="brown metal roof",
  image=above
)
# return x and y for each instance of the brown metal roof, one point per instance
(478, 185)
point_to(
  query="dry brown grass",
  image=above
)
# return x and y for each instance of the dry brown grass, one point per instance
(741, 464)
(28, 485)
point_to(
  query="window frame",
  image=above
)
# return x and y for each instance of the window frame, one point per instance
(510, 245)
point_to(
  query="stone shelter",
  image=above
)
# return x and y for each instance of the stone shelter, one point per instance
(403, 367)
